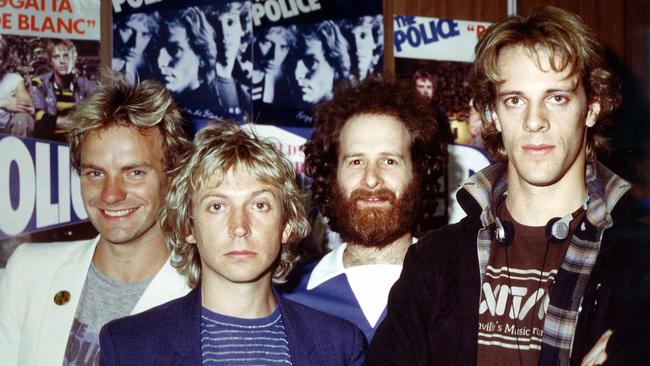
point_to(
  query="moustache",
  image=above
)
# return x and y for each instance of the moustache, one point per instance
(383, 194)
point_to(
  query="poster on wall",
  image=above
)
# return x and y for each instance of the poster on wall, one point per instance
(49, 61)
(299, 57)
(258, 61)
(437, 55)
(200, 50)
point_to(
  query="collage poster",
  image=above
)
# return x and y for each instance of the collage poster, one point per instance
(264, 62)
(436, 55)
(49, 61)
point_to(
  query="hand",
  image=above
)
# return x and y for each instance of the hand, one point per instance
(598, 354)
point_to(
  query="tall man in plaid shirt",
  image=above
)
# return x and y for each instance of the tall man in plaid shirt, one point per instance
(550, 266)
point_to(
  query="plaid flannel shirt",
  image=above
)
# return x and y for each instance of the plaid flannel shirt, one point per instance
(605, 188)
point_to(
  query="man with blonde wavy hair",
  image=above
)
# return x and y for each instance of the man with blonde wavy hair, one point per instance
(551, 265)
(231, 213)
(55, 297)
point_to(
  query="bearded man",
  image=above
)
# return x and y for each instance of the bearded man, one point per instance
(375, 158)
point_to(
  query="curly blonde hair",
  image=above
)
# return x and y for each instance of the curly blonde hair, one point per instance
(220, 148)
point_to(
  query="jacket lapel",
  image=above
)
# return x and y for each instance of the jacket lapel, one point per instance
(185, 341)
(55, 329)
(167, 285)
(301, 343)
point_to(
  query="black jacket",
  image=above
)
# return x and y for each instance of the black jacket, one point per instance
(433, 308)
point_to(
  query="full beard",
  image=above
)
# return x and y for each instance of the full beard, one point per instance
(375, 226)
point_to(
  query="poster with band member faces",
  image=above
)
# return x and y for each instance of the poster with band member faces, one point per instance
(49, 61)
(300, 57)
(264, 61)
(437, 55)
(200, 51)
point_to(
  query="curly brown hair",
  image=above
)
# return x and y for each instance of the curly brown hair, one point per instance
(398, 99)
(568, 43)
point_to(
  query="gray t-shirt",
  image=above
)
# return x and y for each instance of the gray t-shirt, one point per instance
(102, 300)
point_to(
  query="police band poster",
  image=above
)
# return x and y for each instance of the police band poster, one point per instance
(267, 62)
(436, 55)
(49, 61)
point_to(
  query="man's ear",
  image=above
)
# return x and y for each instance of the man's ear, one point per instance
(592, 114)
(286, 233)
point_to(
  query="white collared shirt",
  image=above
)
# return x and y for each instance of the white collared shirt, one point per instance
(370, 283)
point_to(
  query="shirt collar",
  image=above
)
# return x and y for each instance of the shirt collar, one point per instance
(330, 266)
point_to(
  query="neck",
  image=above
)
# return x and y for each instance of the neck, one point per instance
(132, 262)
(393, 253)
(62, 80)
(535, 205)
(240, 300)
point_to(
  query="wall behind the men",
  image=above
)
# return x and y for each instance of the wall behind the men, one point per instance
(477, 10)
(623, 26)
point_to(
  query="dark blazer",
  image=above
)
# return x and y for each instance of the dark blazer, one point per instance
(170, 334)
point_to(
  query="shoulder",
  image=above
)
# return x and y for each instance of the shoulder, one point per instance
(298, 279)
(150, 326)
(626, 245)
(41, 80)
(630, 232)
(447, 239)
(82, 80)
(162, 318)
(11, 79)
(317, 319)
(86, 85)
(49, 252)
(151, 337)
(33, 268)
(333, 338)
(323, 328)
(441, 251)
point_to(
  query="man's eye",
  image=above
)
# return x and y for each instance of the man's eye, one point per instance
(513, 101)
(559, 99)
(310, 62)
(262, 206)
(355, 162)
(390, 161)
(173, 50)
(93, 174)
(215, 207)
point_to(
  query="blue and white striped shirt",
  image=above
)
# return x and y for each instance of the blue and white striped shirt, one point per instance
(227, 340)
